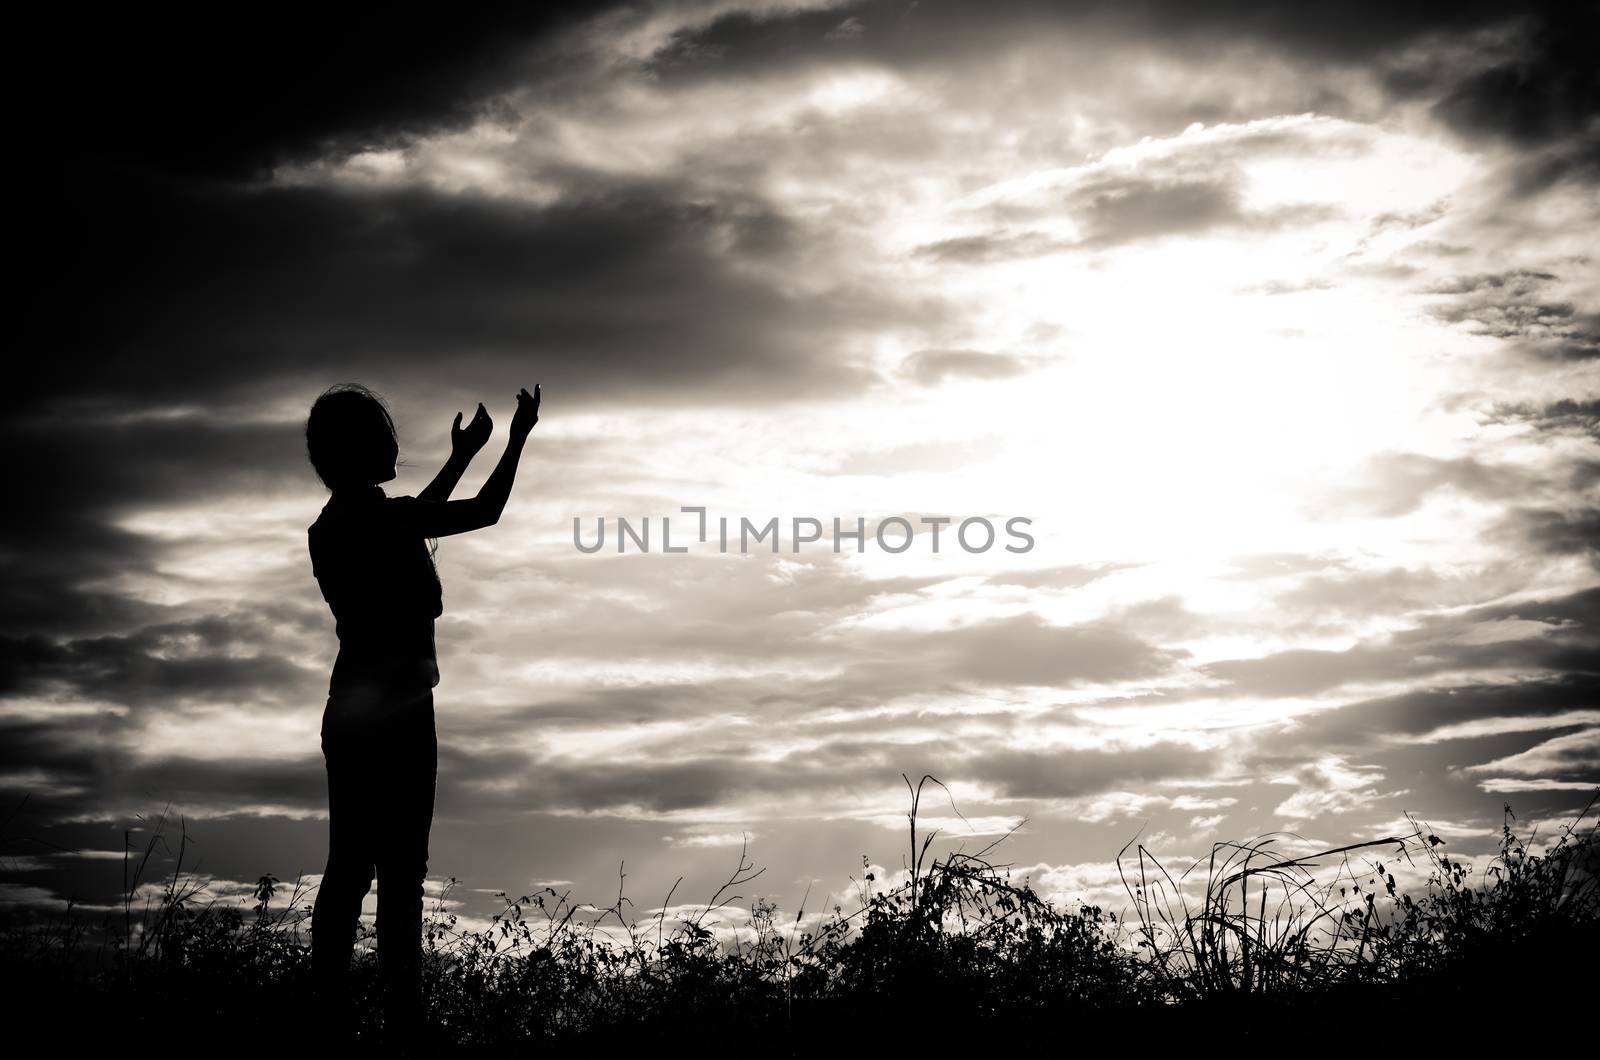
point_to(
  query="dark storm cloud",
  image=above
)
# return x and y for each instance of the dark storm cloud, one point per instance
(159, 664)
(1547, 90)
(933, 32)
(91, 464)
(621, 287)
(65, 754)
(106, 463)
(46, 586)
(1542, 96)
(221, 95)
(88, 772)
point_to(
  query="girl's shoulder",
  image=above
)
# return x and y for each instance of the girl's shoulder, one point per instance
(373, 515)
(407, 515)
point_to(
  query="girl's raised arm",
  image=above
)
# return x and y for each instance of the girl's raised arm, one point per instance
(442, 518)
(464, 445)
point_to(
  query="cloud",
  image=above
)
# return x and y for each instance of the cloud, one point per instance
(357, 81)
(1396, 589)
(1507, 305)
(988, 247)
(1280, 287)
(1558, 758)
(1069, 577)
(1366, 724)
(1563, 531)
(1437, 644)
(1021, 774)
(83, 772)
(1306, 671)
(939, 455)
(1120, 209)
(929, 367)
(1282, 564)
(93, 468)
(1328, 785)
(1116, 206)
(1394, 484)
(1566, 416)
(217, 656)
(692, 222)
(1023, 650)
(624, 288)
(1542, 92)
(738, 43)
(1516, 282)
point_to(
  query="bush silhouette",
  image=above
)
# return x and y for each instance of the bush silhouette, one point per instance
(1245, 939)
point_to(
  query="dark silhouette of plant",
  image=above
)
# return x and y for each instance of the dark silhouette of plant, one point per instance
(1253, 924)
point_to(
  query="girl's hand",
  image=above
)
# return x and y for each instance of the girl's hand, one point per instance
(473, 437)
(527, 413)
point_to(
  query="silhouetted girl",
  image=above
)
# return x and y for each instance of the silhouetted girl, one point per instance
(370, 555)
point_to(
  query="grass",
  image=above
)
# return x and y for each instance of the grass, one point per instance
(1261, 943)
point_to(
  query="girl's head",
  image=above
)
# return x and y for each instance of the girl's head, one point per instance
(350, 437)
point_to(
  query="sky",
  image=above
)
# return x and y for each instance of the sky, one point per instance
(1279, 326)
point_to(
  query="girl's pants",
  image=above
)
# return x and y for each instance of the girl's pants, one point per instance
(382, 756)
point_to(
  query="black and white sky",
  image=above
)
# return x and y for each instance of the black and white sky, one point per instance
(1281, 323)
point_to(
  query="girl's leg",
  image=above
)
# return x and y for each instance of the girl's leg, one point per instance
(336, 915)
(402, 865)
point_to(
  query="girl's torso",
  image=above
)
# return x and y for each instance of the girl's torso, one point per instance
(379, 580)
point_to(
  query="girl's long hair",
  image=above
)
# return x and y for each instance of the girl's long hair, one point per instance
(348, 434)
